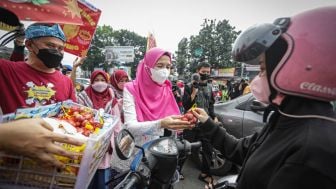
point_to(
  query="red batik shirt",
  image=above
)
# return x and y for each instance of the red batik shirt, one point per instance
(23, 86)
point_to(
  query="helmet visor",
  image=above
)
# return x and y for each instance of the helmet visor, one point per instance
(250, 44)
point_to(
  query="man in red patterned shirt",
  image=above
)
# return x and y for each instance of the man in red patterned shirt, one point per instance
(36, 82)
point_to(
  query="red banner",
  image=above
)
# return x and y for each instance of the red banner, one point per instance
(60, 11)
(151, 41)
(80, 37)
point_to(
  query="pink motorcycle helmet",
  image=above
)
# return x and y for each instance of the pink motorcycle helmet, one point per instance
(300, 53)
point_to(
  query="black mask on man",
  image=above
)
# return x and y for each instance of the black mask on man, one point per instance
(50, 57)
(204, 76)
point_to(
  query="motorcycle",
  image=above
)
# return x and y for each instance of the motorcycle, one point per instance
(155, 165)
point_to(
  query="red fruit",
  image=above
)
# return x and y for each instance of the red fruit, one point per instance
(86, 132)
(91, 120)
(87, 116)
(184, 119)
(74, 109)
(189, 116)
(79, 118)
(79, 129)
(96, 124)
(194, 120)
(78, 124)
(84, 123)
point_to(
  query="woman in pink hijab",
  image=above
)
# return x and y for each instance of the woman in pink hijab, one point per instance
(149, 104)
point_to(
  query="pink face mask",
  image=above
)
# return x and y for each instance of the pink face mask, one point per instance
(260, 89)
(99, 86)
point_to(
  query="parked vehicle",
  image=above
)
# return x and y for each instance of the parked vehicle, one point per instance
(240, 117)
(81, 84)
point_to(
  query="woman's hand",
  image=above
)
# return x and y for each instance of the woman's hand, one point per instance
(201, 114)
(35, 138)
(175, 123)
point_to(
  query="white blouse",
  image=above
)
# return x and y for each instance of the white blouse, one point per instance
(142, 131)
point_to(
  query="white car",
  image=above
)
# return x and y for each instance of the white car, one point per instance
(85, 82)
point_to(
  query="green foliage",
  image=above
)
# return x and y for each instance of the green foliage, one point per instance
(182, 56)
(106, 36)
(212, 44)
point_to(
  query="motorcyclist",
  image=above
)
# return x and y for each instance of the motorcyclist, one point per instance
(296, 149)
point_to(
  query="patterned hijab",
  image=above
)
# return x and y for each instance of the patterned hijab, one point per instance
(152, 100)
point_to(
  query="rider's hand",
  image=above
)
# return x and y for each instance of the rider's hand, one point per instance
(175, 123)
(34, 138)
(201, 114)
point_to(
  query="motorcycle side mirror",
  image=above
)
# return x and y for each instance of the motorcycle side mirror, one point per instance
(258, 106)
(124, 144)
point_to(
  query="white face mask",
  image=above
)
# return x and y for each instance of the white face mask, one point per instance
(159, 75)
(99, 86)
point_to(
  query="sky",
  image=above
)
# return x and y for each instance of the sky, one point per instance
(171, 20)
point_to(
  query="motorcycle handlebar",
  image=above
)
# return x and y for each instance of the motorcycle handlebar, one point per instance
(185, 146)
(195, 144)
(129, 182)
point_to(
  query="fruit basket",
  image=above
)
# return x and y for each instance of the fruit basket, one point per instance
(95, 128)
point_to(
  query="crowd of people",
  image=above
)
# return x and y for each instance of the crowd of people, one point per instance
(293, 150)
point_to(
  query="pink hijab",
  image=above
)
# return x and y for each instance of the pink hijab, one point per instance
(152, 101)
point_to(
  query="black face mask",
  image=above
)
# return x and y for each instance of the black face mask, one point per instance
(50, 57)
(204, 76)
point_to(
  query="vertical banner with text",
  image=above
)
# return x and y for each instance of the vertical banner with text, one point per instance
(80, 37)
(151, 41)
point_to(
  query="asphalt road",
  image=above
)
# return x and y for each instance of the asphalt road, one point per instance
(190, 181)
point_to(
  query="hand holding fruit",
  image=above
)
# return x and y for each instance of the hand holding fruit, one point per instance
(200, 114)
(176, 123)
(189, 116)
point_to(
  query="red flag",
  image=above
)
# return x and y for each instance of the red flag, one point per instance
(60, 11)
(151, 42)
(80, 37)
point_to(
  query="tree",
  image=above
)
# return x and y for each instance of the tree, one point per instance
(106, 36)
(96, 57)
(127, 38)
(226, 36)
(212, 44)
(183, 56)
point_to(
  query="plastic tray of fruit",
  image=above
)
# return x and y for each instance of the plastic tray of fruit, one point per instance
(68, 118)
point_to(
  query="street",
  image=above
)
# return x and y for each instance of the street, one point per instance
(190, 181)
